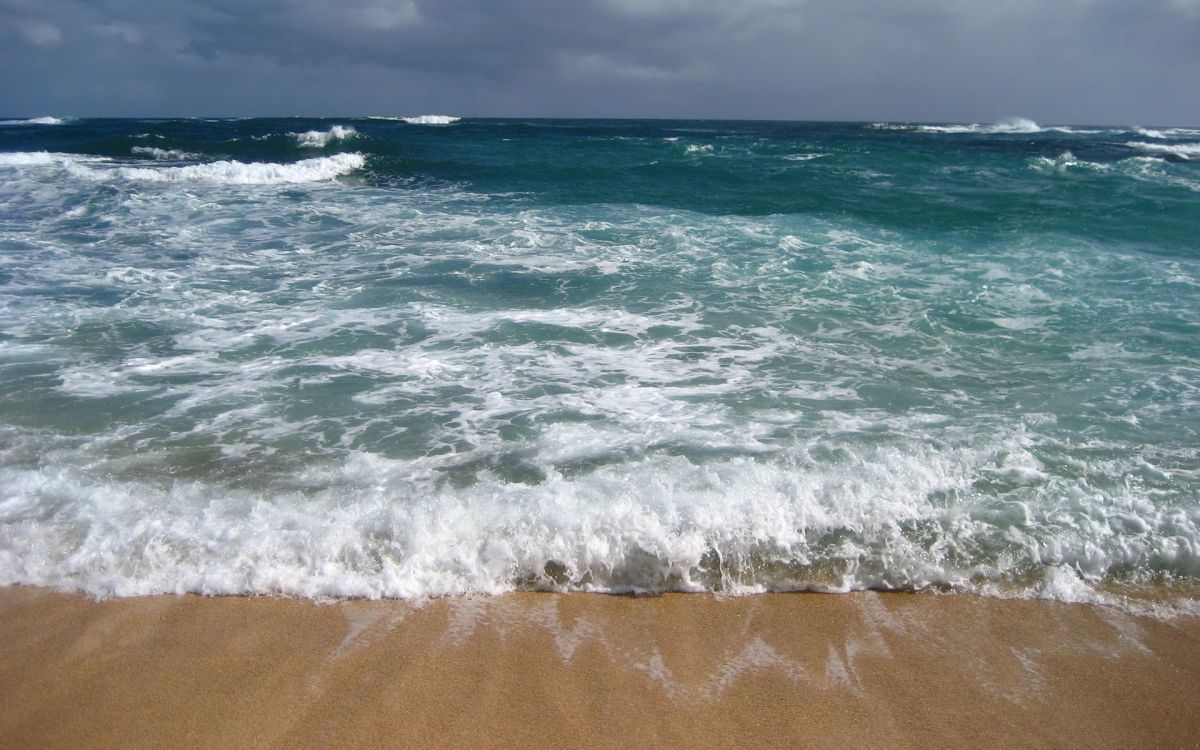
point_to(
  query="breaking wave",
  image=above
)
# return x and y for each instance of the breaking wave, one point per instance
(1013, 126)
(1182, 150)
(164, 154)
(431, 120)
(39, 121)
(220, 172)
(322, 138)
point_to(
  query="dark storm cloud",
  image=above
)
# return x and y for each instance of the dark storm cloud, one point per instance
(1072, 60)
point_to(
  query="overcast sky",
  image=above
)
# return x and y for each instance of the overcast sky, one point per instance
(1055, 61)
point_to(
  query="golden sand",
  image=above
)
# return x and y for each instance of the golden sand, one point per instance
(579, 670)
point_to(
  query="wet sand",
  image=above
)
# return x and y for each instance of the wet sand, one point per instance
(578, 670)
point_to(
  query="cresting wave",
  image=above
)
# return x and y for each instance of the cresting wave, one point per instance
(1014, 126)
(321, 139)
(164, 154)
(431, 120)
(1167, 133)
(381, 528)
(1182, 150)
(218, 172)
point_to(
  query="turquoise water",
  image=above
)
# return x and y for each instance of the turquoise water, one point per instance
(367, 357)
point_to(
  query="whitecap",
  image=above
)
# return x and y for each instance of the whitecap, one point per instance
(320, 169)
(1014, 125)
(321, 138)
(164, 154)
(1167, 133)
(1182, 150)
(39, 121)
(431, 120)
(1064, 162)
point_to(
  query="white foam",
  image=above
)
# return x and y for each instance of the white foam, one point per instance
(164, 154)
(321, 139)
(431, 120)
(1182, 150)
(240, 173)
(803, 157)
(693, 148)
(376, 527)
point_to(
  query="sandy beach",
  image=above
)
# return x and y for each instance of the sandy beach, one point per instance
(578, 670)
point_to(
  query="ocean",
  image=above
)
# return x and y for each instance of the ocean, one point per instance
(409, 357)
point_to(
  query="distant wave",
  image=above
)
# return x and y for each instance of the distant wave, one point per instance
(320, 169)
(38, 121)
(163, 154)
(321, 139)
(1167, 133)
(1182, 150)
(1015, 125)
(431, 120)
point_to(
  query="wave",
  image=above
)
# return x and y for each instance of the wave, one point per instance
(320, 169)
(321, 139)
(164, 154)
(34, 159)
(431, 120)
(1167, 133)
(39, 121)
(1182, 150)
(1016, 125)
(1064, 161)
(1144, 168)
(372, 527)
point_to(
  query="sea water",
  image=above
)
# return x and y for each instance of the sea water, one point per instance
(399, 357)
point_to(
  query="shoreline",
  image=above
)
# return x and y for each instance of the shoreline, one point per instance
(592, 670)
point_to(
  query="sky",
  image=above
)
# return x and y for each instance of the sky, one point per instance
(1131, 62)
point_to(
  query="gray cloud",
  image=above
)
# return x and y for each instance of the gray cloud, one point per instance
(1123, 61)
